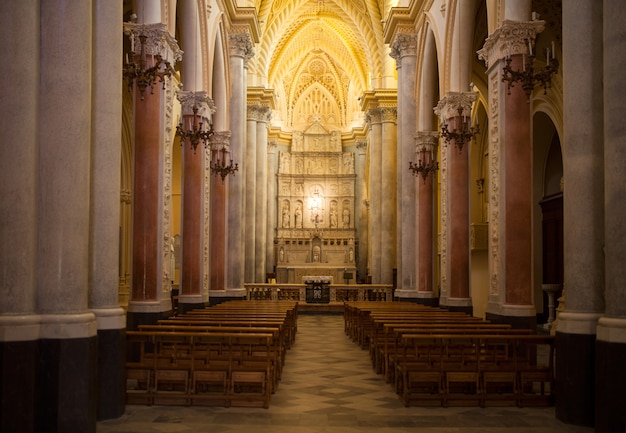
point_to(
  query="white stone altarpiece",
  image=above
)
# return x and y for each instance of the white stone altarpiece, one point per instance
(316, 191)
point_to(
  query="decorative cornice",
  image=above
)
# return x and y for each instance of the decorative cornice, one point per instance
(511, 38)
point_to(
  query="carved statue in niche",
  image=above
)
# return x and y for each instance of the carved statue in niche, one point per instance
(346, 218)
(286, 214)
(333, 215)
(347, 163)
(284, 162)
(297, 216)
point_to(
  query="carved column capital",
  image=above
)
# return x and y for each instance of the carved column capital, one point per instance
(405, 44)
(240, 44)
(220, 140)
(259, 113)
(158, 40)
(426, 141)
(509, 39)
(448, 106)
(200, 100)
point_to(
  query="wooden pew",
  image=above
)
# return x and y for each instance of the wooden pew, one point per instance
(239, 364)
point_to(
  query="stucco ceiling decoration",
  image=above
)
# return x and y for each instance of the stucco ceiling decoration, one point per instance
(330, 48)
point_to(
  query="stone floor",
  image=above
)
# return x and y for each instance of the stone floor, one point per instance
(329, 386)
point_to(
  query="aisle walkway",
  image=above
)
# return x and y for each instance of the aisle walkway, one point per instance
(329, 386)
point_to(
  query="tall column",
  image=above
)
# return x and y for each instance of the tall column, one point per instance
(455, 237)
(150, 280)
(66, 391)
(611, 332)
(426, 143)
(250, 205)
(260, 220)
(375, 194)
(217, 249)
(105, 209)
(362, 209)
(583, 170)
(19, 322)
(510, 158)
(404, 51)
(389, 183)
(193, 199)
(241, 51)
(271, 223)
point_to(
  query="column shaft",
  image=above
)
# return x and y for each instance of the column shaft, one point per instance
(610, 356)
(105, 209)
(250, 194)
(388, 190)
(66, 393)
(19, 323)
(260, 220)
(375, 197)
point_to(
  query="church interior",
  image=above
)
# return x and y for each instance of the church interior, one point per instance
(169, 156)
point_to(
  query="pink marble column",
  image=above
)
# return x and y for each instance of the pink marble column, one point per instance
(197, 109)
(456, 294)
(218, 225)
(517, 175)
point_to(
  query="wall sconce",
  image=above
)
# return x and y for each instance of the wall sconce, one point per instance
(527, 76)
(426, 163)
(197, 133)
(218, 164)
(462, 133)
(140, 73)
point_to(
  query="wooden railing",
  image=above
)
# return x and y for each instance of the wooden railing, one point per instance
(338, 292)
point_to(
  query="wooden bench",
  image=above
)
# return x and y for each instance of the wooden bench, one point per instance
(477, 369)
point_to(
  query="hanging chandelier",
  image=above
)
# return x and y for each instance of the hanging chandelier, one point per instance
(528, 76)
(137, 72)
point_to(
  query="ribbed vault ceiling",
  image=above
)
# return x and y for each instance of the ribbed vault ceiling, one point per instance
(319, 55)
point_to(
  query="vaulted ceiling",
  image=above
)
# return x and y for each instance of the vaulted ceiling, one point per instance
(319, 56)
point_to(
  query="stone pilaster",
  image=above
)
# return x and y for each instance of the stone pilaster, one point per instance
(404, 51)
(455, 235)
